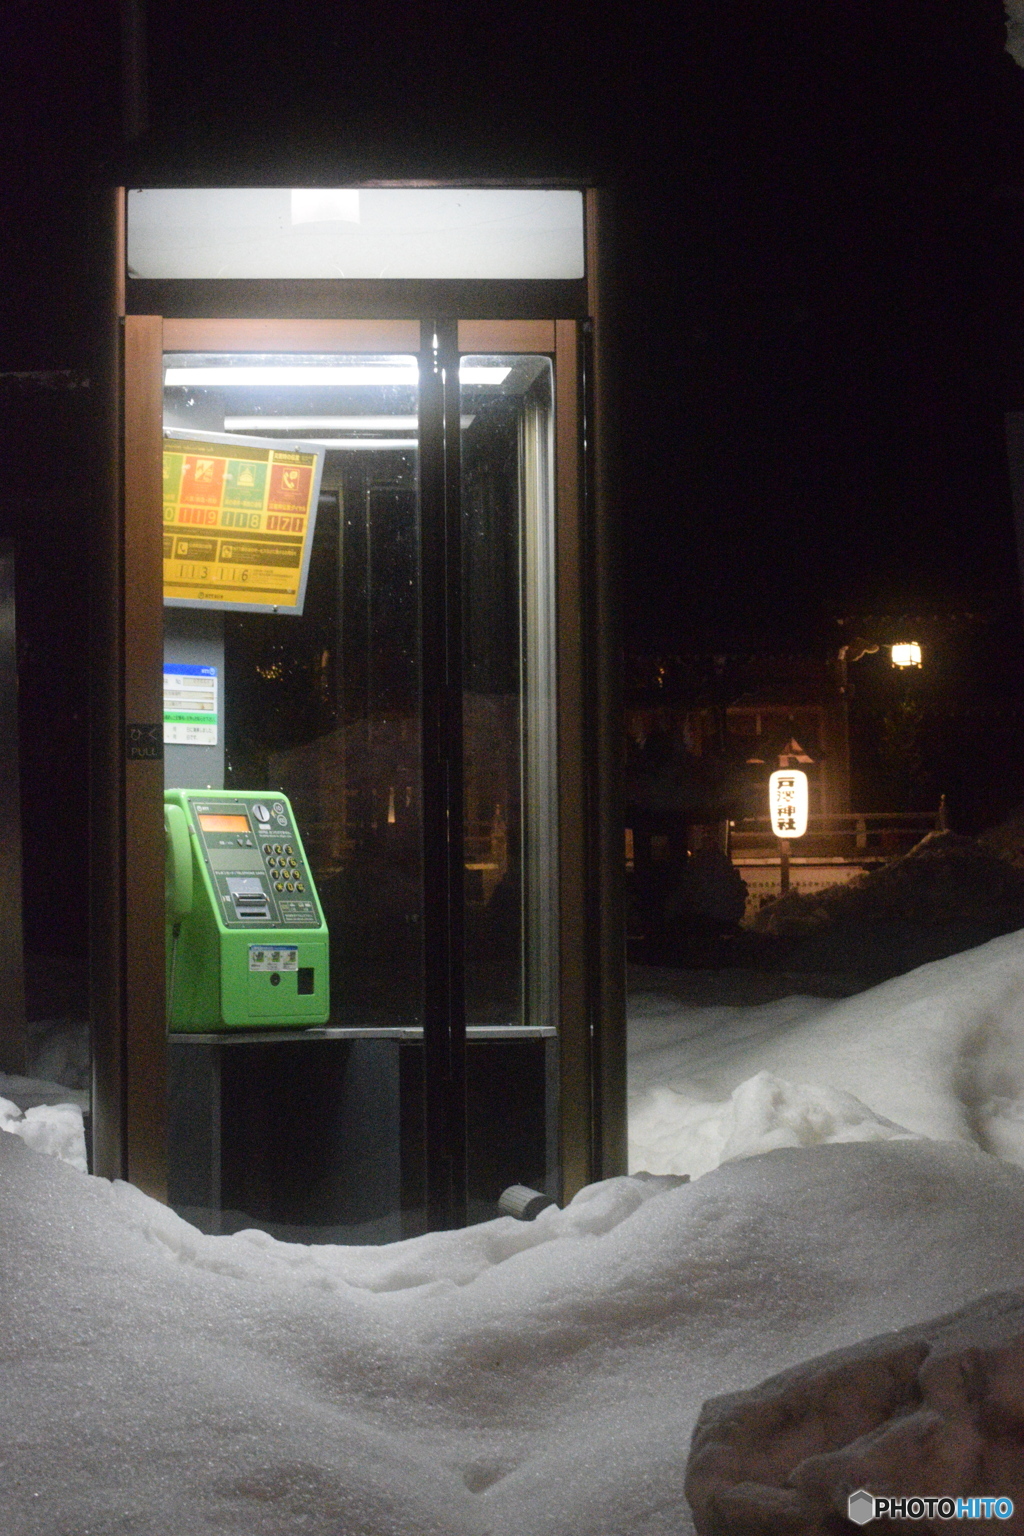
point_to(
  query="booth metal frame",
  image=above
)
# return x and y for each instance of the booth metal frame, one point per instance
(564, 319)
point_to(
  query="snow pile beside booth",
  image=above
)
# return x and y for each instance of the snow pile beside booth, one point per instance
(48, 1116)
(56, 1129)
(938, 1052)
(507, 1378)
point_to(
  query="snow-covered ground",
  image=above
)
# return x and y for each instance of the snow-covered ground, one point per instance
(515, 1377)
(509, 1378)
(938, 1052)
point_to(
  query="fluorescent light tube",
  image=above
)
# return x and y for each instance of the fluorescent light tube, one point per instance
(482, 374)
(320, 205)
(270, 423)
(362, 442)
(313, 423)
(207, 376)
(202, 377)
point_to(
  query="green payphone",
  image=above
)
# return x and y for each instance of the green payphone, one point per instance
(247, 944)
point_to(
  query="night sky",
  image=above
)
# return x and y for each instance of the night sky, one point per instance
(835, 338)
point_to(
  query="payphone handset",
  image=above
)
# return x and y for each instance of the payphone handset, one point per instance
(178, 874)
(247, 945)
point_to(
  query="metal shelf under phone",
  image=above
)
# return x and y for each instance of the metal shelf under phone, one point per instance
(358, 1032)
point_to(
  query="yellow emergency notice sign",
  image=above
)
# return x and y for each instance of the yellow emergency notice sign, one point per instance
(239, 517)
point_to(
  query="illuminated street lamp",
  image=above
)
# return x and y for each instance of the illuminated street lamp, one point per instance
(907, 653)
(787, 802)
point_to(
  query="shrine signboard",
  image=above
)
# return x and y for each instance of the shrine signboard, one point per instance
(788, 801)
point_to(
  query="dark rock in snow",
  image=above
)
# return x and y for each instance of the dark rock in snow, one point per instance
(936, 1409)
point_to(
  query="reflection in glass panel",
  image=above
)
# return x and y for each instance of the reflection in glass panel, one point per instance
(509, 695)
(303, 1136)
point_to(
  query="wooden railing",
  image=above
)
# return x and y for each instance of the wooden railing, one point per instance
(880, 834)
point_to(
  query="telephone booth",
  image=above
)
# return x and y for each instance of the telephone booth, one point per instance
(367, 968)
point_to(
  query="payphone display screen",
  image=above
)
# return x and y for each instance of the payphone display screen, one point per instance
(213, 823)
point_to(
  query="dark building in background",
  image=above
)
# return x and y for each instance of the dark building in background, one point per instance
(890, 752)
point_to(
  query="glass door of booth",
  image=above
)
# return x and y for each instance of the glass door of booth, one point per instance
(322, 699)
(323, 1133)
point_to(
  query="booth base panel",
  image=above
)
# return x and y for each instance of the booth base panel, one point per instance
(321, 1141)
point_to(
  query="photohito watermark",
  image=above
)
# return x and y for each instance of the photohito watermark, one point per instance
(863, 1506)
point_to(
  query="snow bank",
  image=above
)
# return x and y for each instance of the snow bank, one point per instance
(938, 1052)
(513, 1377)
(765, 1112)
(504, 1379)
(57, 1129)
